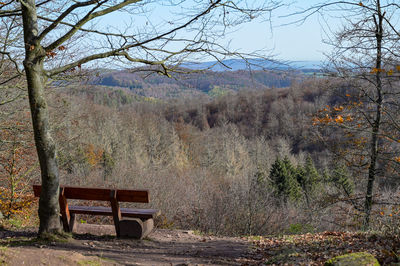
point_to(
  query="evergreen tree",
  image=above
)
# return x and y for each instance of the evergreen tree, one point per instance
(308, 178)
(339, 177)
(283, 178)
(277, 177)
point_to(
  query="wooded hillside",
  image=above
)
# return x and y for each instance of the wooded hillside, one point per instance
(195, 84)
(230, 165)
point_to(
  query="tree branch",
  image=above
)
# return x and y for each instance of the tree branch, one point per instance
(63, 15)
(89, 16)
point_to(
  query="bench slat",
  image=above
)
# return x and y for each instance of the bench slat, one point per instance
(126, 195)
(106, 211)
(101, 194)
(87, 193)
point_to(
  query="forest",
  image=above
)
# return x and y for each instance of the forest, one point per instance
(231, 152)
(211, 83)
(229, 164)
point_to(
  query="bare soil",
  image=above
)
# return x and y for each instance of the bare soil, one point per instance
(97, 245)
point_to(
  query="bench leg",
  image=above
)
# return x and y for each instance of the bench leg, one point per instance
(68, 226)
(65, 215)
(116, 211)
(72, 222)
(65, 224)
(135, 228)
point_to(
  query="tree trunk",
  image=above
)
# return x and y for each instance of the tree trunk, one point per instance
(33, 63)
(377, 119)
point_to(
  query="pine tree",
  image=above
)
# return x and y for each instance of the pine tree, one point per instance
(339, 177)
(308, 178)
(277, 177)
(283, 178)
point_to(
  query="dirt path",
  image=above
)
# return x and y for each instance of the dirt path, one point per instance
(162, 247)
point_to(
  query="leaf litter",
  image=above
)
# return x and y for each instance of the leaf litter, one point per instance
(317, 248)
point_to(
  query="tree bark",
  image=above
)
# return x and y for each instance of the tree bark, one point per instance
(45, 146)
(377, 119)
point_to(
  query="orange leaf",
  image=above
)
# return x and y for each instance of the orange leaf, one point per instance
(339, 119)
(51, 54)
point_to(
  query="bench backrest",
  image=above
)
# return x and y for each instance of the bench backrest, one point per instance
(100, 194)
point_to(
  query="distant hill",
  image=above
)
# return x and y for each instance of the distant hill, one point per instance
(255, 64)
(212, 83)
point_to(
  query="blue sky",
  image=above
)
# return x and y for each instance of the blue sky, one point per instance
(291, 42)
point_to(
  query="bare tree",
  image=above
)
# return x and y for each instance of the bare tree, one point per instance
(60, 36)
(10, 72)
(366, 60)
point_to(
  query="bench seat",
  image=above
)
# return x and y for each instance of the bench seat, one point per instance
(138, 223)
(142, 214)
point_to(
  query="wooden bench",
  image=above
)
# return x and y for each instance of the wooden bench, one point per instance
(138, 225)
